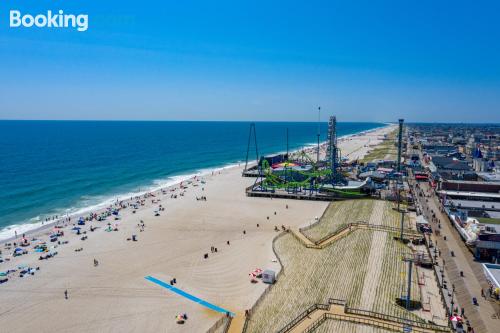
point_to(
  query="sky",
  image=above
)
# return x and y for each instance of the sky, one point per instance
(428, 61)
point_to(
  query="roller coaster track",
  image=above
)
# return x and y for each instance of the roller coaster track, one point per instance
(310, 182)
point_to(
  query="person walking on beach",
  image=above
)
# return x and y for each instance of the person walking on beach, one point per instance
(66, 294)
(96, 263)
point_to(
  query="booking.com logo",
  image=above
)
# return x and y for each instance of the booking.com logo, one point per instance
(50, 20)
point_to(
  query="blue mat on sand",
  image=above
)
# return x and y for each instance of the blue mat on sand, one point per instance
(188, 296)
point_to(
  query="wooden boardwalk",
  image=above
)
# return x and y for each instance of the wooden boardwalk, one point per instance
(481, 317)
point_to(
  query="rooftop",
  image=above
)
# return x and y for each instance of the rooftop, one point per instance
(489, 176)
(474, 204)
(471, 194)
(492, 271)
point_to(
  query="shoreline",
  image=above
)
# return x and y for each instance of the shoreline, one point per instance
(169, 245)
(40, 227)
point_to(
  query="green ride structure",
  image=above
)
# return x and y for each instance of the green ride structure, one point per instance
(299, 175)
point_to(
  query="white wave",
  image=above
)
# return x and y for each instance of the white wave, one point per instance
(106, 201)
(102, 202)
(10, 231)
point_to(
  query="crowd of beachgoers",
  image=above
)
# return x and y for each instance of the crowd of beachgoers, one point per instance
(44, 243)
(57, 230)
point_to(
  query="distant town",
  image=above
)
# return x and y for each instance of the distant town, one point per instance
(462, 162)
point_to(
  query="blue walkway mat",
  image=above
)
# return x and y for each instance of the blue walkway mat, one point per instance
(189, 296)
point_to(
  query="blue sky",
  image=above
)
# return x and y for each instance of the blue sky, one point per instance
(255, 60)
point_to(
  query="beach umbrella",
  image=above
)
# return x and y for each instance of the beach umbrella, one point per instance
(18, 249)
(455, 318)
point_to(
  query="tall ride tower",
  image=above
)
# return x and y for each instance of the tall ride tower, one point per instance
(332, 151)
(400, 143)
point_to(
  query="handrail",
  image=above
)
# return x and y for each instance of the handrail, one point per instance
(391, 322)
(220, 322)
(397, 319)
(355, 225)
(381, 324)
(317, 323)
(301, 316)
(390, 326)
(387, 317)
(228, 324)
(337, 301)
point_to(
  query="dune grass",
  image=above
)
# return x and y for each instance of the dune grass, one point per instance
(385, 150)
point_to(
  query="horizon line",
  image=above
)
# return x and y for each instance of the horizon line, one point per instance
(244, 121)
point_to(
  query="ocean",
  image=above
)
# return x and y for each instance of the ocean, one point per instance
(52, 168)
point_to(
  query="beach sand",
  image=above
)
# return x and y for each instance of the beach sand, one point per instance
(116, 297)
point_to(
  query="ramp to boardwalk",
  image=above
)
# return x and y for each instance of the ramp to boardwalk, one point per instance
(316, 315)
(327, 240)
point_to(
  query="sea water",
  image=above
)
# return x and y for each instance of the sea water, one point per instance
(52, 168)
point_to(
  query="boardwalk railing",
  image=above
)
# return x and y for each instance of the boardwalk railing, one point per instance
(380, 324)
(413, 323)
(319, 244)
(304, 314)
(337, 301)
(370, 318)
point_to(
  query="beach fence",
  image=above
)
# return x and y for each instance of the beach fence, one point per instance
(223, 321)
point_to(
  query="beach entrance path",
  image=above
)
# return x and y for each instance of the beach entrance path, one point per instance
(188, 296)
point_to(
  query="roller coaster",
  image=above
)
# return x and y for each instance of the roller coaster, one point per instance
(303, 176)
(294, 180)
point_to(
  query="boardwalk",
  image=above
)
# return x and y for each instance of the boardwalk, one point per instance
(481, 318)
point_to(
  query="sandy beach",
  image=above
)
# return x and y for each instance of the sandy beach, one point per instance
(114, 296)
